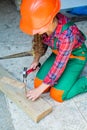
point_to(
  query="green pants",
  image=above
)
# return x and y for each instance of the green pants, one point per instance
(69, 84)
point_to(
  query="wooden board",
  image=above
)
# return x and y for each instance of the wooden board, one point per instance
(12, 82)
(36, 110)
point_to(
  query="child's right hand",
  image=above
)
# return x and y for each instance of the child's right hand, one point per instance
(34, 65)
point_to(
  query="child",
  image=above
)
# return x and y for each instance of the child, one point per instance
(60, 72)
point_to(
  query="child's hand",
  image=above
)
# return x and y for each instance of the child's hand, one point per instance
(35, 62)
(36, 92)
(34, 65)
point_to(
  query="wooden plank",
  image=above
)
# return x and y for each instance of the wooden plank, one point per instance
(12, 82)
(36, 110)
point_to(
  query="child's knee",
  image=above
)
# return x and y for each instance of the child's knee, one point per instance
(56, 94)
(37, 82)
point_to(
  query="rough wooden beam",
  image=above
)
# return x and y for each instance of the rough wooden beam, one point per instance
(12, 82)
(36, 110)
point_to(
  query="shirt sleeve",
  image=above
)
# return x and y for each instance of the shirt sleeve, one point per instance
(61, 60)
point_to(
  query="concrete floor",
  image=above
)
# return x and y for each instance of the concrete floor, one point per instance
(70, 115)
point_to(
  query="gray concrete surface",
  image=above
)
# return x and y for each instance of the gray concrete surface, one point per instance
(70, 115)
(5, 116)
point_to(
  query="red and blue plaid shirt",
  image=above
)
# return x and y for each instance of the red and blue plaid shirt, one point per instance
(67, 41)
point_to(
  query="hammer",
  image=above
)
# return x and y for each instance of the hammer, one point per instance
(26, 72)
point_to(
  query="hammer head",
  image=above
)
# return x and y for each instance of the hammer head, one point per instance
(25, 72)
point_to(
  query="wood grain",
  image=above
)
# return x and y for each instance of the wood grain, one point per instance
(12, 88)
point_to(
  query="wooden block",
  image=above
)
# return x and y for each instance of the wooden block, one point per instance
(6, 77)
(12, 82)
(36, 110)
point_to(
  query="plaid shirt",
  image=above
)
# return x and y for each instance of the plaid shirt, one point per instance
(67, 41)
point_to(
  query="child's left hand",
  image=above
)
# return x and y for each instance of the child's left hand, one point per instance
(36, 92)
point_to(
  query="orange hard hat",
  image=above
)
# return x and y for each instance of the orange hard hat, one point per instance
(36, 15)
